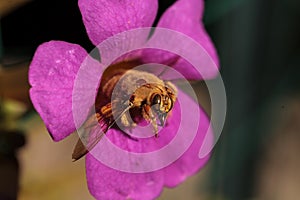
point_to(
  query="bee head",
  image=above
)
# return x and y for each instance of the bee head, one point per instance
(161, 105)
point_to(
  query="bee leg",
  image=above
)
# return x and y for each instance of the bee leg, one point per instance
(148, 115)
(127, 122)
(124, 120)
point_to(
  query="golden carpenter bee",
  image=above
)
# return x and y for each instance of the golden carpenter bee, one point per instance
(126, 97)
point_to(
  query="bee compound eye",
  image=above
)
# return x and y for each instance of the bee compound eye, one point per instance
(156, 99)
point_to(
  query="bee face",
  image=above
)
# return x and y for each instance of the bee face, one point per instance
(161, 106)
(147, 95)
(156, 100)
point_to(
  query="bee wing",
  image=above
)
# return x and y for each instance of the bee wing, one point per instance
(91, 134)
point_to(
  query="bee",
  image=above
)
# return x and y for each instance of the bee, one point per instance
(127, 97)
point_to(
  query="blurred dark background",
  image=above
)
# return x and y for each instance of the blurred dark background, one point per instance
(258, 42)
(259, 47)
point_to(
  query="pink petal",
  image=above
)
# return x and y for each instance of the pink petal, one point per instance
(107, 183)
(190, 163)
(52, 74)
(85, 89)
(105, 18)
(185, 17)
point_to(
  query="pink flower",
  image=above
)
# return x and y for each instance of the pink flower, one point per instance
(56, 64)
